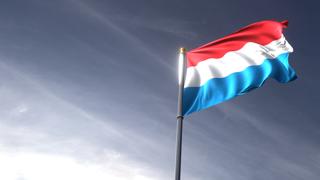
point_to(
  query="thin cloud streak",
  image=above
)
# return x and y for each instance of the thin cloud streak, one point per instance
(137, 43)
(52, 96)
(43, 138)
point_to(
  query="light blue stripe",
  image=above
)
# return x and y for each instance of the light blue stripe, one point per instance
(218, 90)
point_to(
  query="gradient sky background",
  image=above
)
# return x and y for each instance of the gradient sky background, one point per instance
(88, 90)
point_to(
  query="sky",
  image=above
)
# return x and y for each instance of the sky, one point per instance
(88, 90)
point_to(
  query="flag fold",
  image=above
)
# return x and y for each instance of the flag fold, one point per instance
(236, 64)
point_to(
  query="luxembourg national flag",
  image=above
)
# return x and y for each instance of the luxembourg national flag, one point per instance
(236, 64)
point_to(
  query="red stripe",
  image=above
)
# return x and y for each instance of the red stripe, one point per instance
(262, 32)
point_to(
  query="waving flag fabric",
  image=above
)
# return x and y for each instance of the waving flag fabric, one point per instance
(236, 64)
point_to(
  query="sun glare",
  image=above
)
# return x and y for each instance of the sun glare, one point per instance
(34, 166)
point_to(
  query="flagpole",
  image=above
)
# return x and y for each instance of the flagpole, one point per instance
(182, 71)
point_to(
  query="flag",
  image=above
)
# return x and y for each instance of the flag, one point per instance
(236, 64)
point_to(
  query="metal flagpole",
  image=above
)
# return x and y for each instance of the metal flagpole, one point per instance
(182, 71)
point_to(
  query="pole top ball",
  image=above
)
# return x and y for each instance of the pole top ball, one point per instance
(182, 50)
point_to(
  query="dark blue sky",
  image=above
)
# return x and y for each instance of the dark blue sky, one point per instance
(88, 90)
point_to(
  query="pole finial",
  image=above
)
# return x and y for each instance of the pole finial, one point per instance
(182, 50)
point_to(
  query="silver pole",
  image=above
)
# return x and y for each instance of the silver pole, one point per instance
(182, 72)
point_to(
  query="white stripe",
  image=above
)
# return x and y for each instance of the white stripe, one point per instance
(235, 61)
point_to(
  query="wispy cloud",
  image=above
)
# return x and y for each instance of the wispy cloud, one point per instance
(39, 130)
(39, 166)
(176, 27)
(136, 42)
